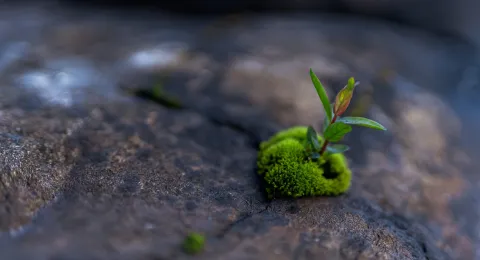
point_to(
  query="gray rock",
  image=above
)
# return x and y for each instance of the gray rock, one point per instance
(89, 171)
(143, 176)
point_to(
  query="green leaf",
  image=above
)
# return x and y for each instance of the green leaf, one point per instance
(322, 94)
(337, 148)
(342, 101)
(362, 121)
(312, 139)
(336, 131)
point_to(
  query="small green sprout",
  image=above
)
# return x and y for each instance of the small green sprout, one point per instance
(194, 243)
(159, 95)
(335, 127)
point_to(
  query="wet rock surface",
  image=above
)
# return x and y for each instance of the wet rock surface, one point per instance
(89, 171)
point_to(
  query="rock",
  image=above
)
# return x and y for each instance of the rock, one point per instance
(91, 172)
(142, 176)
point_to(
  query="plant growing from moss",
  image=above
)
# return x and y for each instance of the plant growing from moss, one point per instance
(335, 127)
(194, 243)
(298, 162)
(288, 171)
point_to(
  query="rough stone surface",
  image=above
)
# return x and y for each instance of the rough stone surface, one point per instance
(88, 171)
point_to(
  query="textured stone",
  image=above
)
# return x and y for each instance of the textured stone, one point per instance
(88, 171)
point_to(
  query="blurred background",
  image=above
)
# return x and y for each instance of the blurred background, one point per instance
(444, 16)
(417, 61)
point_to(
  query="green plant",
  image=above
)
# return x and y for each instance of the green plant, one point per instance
(289, 172)
(194, 243)
(335, 127)
(293, 161)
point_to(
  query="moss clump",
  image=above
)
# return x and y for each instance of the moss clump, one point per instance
(194, 243)
(289, 172)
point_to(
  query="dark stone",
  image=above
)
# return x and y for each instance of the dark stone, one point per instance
(91, 172)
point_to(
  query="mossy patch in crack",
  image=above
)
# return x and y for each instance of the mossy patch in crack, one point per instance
(288, 171)
(158, 95)
(194, 243)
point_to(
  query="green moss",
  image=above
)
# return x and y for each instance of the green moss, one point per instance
(289, 172)
(194, 243)
(157, 95)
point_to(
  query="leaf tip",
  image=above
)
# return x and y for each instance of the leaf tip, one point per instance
(380, 126)
(351, 83)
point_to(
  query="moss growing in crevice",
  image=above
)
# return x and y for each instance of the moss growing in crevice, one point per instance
(157, 95)
(289, 172)
(163, 99)
(193, 243)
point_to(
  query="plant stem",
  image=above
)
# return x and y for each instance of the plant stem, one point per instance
(325, 143)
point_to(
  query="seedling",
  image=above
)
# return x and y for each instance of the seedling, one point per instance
(335, 127)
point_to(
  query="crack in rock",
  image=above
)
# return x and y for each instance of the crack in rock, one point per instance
(232, 225)
(168, 102)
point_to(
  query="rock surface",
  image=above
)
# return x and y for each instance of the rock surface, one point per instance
(89, 171)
